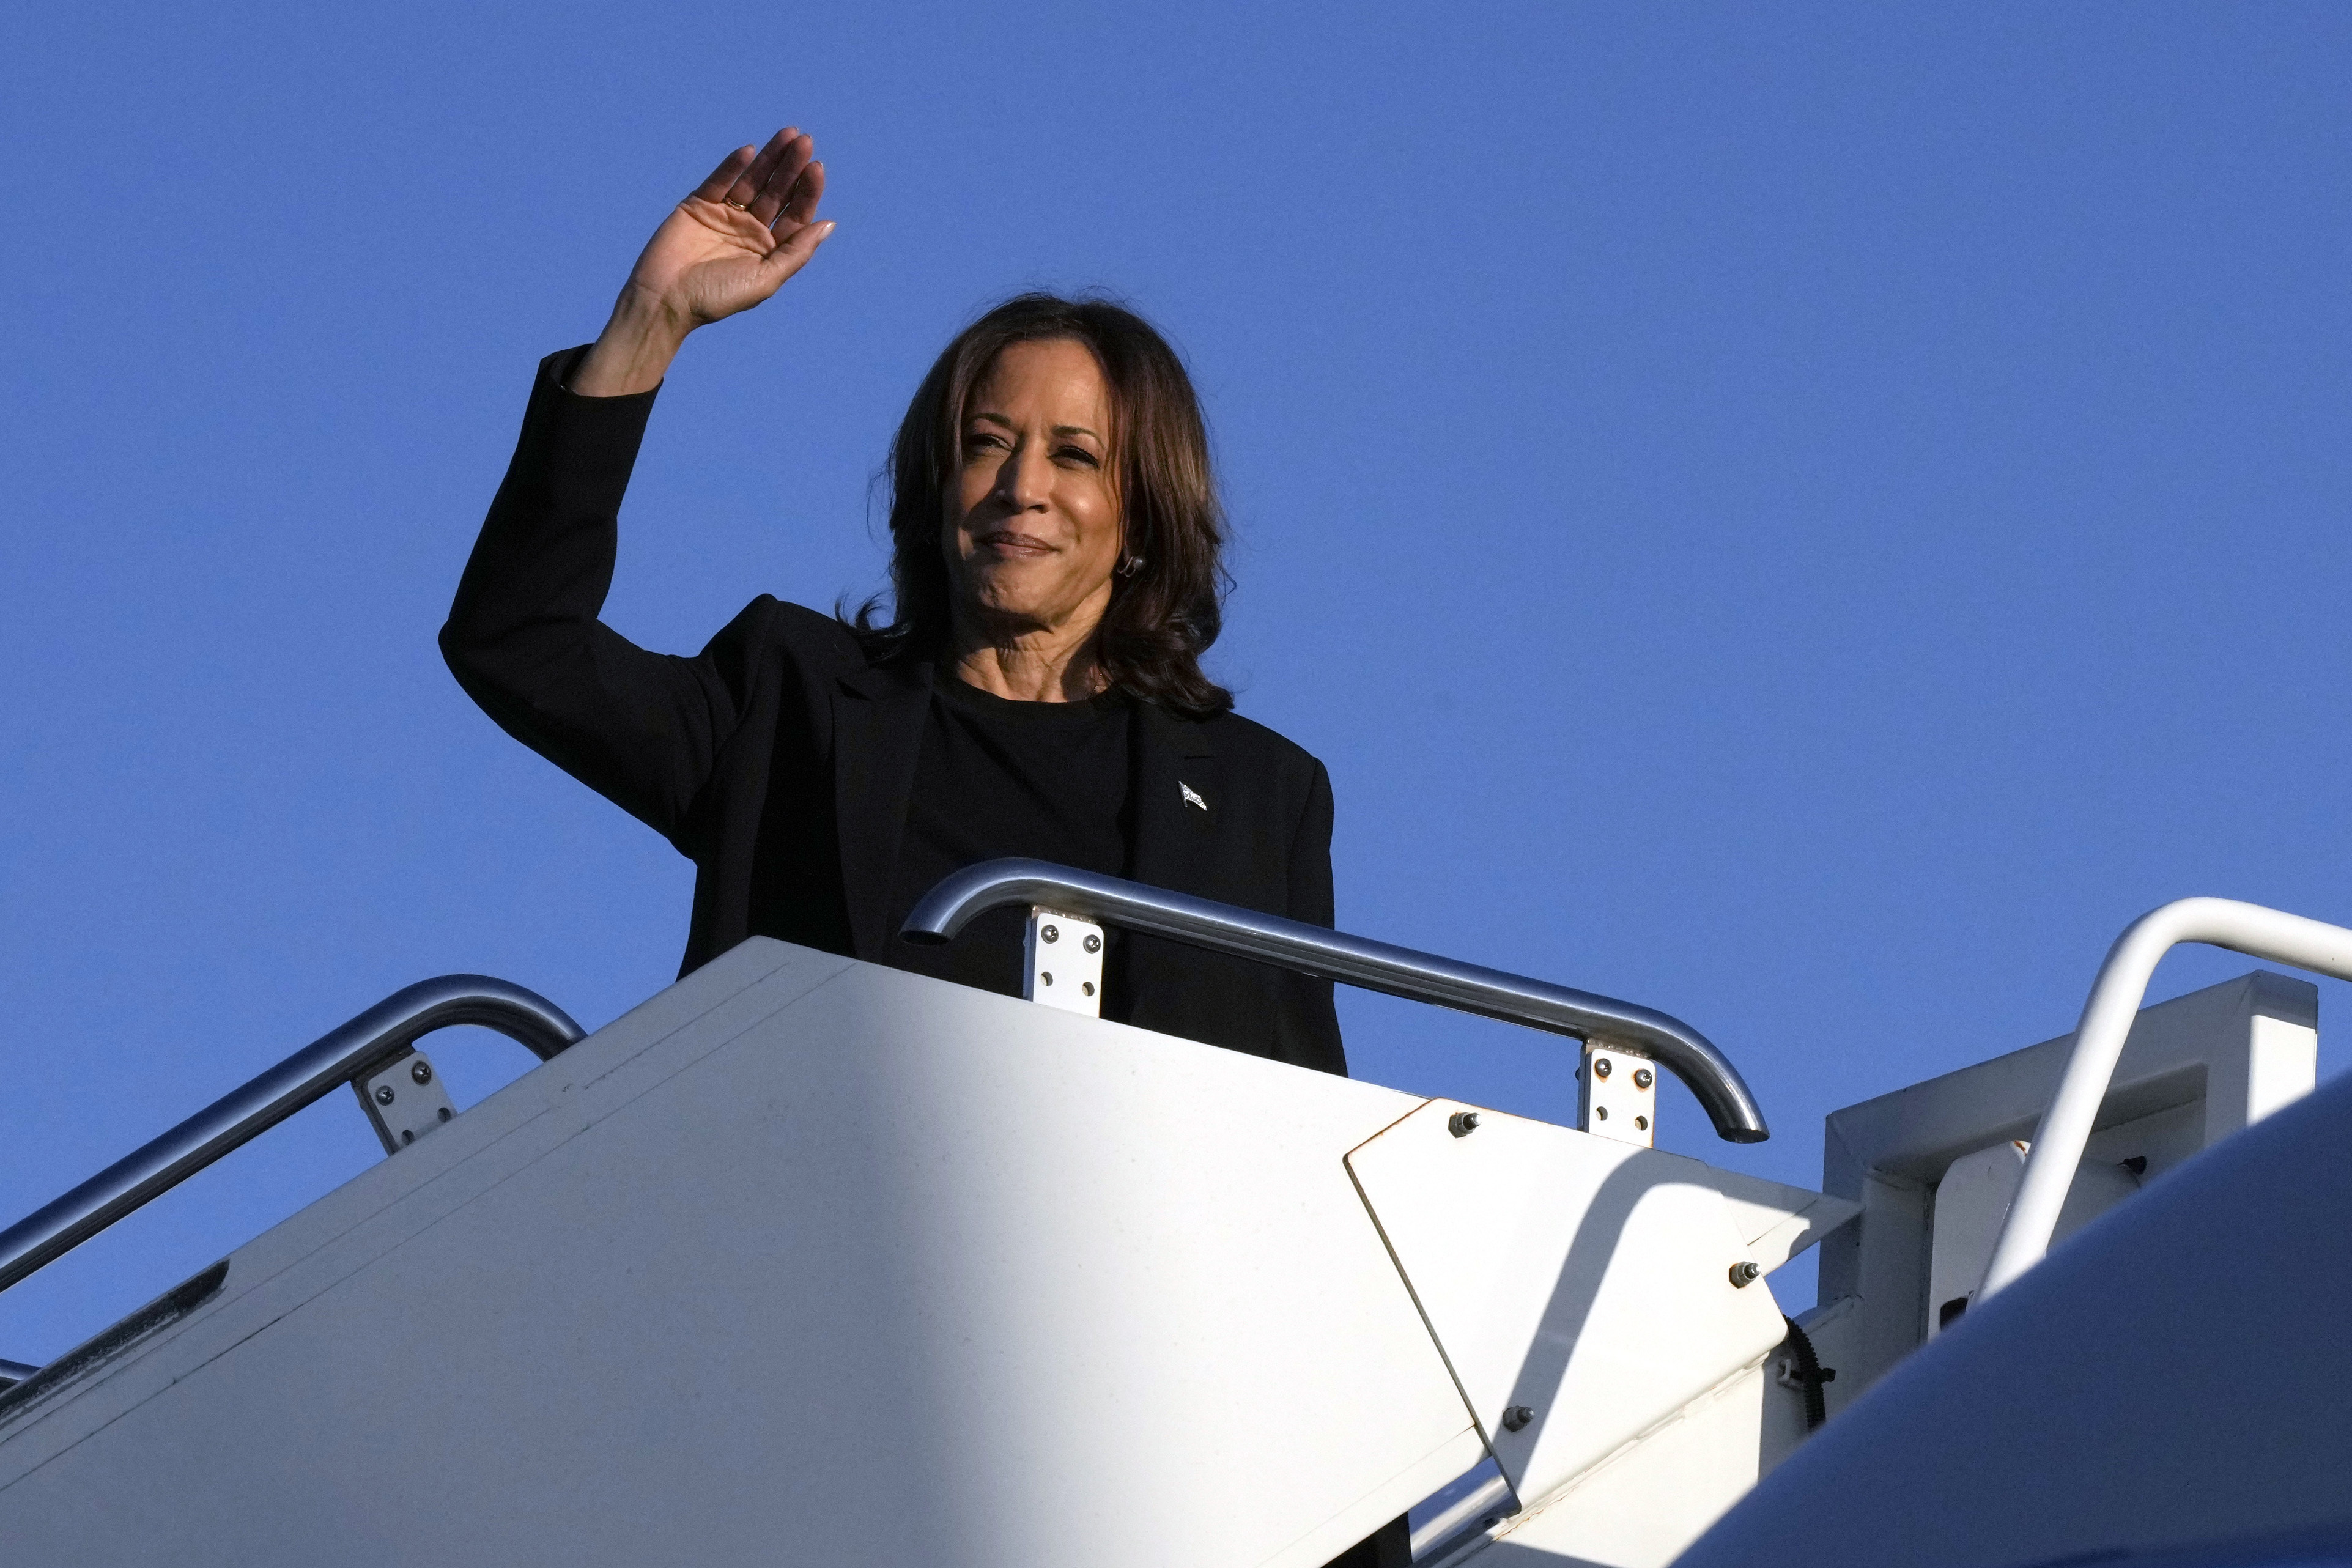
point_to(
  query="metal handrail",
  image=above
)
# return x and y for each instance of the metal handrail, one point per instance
(2115, 996)
(335, 1058)
(1327, 955)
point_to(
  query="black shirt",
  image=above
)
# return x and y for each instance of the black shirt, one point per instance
(998, 777)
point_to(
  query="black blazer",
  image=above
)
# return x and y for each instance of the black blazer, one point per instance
(780, 760)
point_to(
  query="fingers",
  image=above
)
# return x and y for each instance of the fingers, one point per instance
(792, 160)
(747, 184)
(781, 180)
(730, 168)
(799, 208)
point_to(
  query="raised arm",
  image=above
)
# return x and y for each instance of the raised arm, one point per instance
(523, 637)
(725, 249)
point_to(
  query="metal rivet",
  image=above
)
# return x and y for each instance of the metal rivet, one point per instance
(1094, 945)
(1600, 1112)
(1745, 1273)
(1462, 1123)
(1600, 1067)
(1643, 1122)
(1050, 933)
(407, 1135)
(1643, 1078)
(1516, 1417)
(421, 1070)
(1047, 975)
(445, 1113)
(384, 1094)
(1088, 986)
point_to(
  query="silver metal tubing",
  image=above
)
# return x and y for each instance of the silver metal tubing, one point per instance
(383, 1031)
(2115, 995)
(1333, 955)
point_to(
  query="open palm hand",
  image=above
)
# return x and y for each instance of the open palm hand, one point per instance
(734, 241)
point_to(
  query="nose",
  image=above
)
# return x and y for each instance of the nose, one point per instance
(1026, 480)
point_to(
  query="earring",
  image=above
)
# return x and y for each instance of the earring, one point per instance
(1130, 565)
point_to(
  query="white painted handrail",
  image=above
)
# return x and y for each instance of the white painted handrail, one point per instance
(2116, 997)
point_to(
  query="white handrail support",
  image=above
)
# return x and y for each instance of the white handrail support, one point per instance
(2114, 1001)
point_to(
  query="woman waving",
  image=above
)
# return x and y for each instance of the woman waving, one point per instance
(1035, 689)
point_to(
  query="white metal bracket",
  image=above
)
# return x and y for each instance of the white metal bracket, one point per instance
(404, 1099)
(1064, 960)
(1617, 1095)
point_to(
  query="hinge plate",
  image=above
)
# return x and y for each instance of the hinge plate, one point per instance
(404, 1099)
(1063, 963)
(1617, 1095)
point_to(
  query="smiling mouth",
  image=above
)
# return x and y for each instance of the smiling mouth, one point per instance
(1005, 544)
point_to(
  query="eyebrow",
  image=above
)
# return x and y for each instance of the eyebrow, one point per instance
(1058, 429)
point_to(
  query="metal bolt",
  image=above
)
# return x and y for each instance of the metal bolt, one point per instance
(1516, 1417)
(1643, 1078)
(1745, 1273)
(384, 1094)
(1601, 1112)
(1600, 1067)
(1047, 975)
(1462, 1123)
(1094, 945)
(1088, 986)
(421, 1070)
(445, 1113)
(1643, 1122)
(1050, 933)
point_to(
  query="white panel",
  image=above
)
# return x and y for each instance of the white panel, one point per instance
(1972, 1200)
(808, 1260)
(2285, 1065)
(1643, 1506)
(1776, 1222)
(1586, 1281)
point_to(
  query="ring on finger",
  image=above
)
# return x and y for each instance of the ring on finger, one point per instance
(740, 206)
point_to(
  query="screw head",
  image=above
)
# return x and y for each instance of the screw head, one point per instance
(1094, 945)
(1049, 934)
(1047, 975)
(421, 1070)
(1462, 1123)
(1643, 1078)
(1601, 1112)
(1643, 1122)
(1516, 1417)
(1602, 1067)
(384, 1094)
(1088, 986)
(1745, 1273)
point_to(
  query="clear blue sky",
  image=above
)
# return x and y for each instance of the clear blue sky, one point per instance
(1807, 517)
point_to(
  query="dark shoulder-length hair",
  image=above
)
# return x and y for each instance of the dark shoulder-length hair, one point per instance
(1165, 606)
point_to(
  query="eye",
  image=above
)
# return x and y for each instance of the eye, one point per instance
(1078, 456)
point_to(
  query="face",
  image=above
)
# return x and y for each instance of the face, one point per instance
(1034, 523)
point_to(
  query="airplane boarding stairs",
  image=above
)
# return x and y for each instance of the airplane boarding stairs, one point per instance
(809, 1259)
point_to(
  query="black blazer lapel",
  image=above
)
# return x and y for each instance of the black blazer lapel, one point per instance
(1174, 790)
(877, 737)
